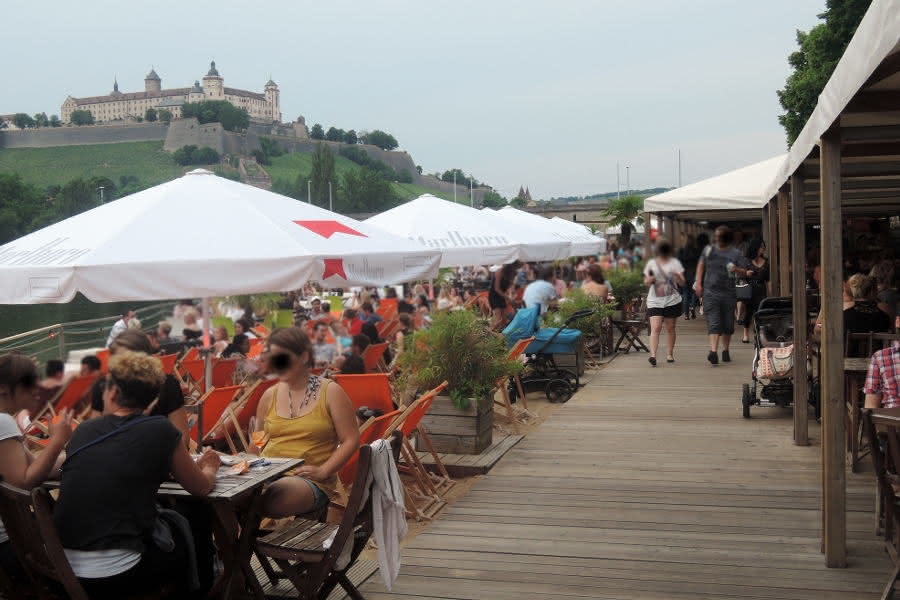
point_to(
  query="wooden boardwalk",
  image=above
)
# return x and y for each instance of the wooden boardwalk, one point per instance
(648, 484)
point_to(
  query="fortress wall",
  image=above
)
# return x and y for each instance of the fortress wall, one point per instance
(47, 137)
(184, 132)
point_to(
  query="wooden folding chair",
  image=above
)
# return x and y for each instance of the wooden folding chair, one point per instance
(372, 390)
(373, 429)
(67, 397)
(430, 491)
(387, 310)
(298, 548)
(192, 375)
(168, 363)
(886, 459)
(103, 356)
(193, 353)
(244, 410)
(257, 345)
(213, 405)
(227, 424)
(514, 353)
(373, 357)
(33, 536)
(223, 372)
(390, 330)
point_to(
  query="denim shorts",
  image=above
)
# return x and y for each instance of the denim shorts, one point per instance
(320, 498)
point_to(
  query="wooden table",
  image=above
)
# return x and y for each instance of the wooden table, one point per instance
(855, 370)
(236, 502)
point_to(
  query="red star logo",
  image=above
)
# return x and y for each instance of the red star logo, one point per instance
(334, 266)
(328, 228)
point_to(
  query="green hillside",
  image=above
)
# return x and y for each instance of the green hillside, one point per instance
(151, 165)
(55, 166)
(288, 166)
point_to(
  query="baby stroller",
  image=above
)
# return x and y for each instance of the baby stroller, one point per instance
(773, 361)
(541, 369)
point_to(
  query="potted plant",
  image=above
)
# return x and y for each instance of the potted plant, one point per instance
(596, 328)
(627, 286)
(458, 348)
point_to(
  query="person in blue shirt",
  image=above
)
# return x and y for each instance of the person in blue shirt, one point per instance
(541, 292)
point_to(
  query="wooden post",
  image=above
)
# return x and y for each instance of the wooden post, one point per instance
(784, 246)
(772, 245)
(798, 272)
(832, 376)
(667, 221)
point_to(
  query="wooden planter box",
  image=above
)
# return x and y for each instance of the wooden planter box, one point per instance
(573, 362)
(455, 431)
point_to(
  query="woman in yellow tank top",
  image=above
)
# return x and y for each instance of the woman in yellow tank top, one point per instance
(303, 416)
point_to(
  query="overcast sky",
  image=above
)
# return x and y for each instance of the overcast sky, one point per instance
(549, 94)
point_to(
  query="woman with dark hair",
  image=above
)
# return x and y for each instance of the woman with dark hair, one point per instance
(759, 264)
(106, 514)
(170, 398)
(594, 283)
(303, 415)
(239, 347)
(19, 391)
(664, 275)
(498, 294)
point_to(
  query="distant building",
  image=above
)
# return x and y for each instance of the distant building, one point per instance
(116, 105)
(524, 196)
(8, 123)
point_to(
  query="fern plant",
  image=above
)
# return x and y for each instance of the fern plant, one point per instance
(458, 348)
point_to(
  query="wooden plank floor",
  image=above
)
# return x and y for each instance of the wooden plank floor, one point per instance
(466, 465)
(648, 484)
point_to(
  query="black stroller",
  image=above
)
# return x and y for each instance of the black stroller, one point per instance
(773, 361)
(543, 373)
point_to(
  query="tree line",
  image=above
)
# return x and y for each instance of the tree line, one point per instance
(378, 138)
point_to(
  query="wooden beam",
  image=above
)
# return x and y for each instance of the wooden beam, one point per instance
(888, 67)
(772, 245)
(798, 274)
(784, 247)
(874, 101)
(832, 377)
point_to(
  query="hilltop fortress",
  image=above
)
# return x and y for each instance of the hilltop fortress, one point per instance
(116, 105)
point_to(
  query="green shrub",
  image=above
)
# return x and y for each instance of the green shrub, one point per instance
(460, 349)
(575, 301)
(627, 285)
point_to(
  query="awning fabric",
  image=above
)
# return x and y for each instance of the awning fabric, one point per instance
(232, 239)
(539, 242)
(584, 242)
(739, 189)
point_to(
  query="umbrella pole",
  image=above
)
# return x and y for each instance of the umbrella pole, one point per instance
(207, 367)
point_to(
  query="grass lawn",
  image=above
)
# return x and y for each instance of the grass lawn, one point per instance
(47, 166)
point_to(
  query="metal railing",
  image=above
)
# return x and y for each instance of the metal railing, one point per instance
(57, 340)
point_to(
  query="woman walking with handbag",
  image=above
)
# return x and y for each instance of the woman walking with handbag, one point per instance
(756, 283)
(664, 274)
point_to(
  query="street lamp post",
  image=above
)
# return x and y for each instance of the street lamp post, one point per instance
(101, 194)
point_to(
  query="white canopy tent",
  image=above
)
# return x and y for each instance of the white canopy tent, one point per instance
(744, 188)
(457, 232)
(250, 241)
(537, 242)
(584, 242)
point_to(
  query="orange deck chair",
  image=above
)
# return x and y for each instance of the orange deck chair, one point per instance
(103, 355)
(514, 353)
(373, 357)
(168, 363)
(67, 397)
(192, 373)
(243, 413)
(223, 372)
(372, 390)
(369, 431)
(213, 405)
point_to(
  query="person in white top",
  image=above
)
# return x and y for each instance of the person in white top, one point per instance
(664, 274)
(120, 326)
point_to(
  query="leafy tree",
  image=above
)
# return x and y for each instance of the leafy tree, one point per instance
(150, 114)
(23, 121)
(164, 115)
(270, 147)
(41, 120)
(626, 211)
(350, 137)
(82, 117)
(322, 172)
(19, 204)
(334, 134)
(110, 190)
(517, 202)
(54, 121)
(76, 197)
(492, 199)
(317, 133)
(364, 190)
(379, 138)
(820, 50)
(461, 178)
(296, 189)
(403, 176)
(184, 155)
(231, 117)
(419, 169)
(261, 157)
(205, 156)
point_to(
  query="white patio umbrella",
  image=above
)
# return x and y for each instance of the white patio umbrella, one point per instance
(540, 228)
(233, 239)
(584, 242)
(457, 231)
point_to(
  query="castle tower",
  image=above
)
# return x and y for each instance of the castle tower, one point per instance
(152, 82)
(273, 100)
(213, 84)
(115, 91)
(196, 93)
